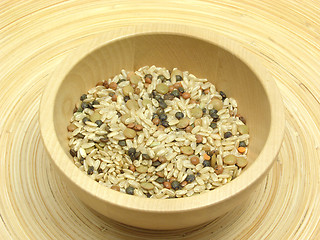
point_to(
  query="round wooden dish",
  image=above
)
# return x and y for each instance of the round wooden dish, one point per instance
(201, 52)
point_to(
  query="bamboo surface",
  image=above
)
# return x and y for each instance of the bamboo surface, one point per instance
(36, 35)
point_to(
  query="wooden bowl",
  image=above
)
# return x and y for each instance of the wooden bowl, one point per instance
(204, 53)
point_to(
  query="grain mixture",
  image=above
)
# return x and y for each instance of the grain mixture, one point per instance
(159, 134)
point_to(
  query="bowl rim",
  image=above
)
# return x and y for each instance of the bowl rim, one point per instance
(254, 174)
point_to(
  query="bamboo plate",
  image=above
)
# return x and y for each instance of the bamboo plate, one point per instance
(36, 35)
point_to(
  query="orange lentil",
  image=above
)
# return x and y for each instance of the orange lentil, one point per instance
(189, 129)
(171, 88)
(114, 98)
(132, 168)
(192, 101)
(113, 85)
(177, 85)
(199, 139)
(218, 169)
(186, 95)
(194, 160)
(156, 121)
(106, 84)
(138, 127)
(130, 125)
(99, 84)
(117, 188)
(241, 149)
(184, 183)
(172, 179)
(161, 128)
(167, 185)
(206, 157)
(148, 80)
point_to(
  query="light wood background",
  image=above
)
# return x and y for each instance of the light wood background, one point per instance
(36, 35)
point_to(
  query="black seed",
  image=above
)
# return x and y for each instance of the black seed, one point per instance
(148, 76)
(213, 125)
(215, 117)
(122, 143)
(90, 106)
(145, 156)
(126, 98)
(190, 178)
(210, 153)
(84, 105)
(73, 152)
(121, 80)
(179, 115)
(104, 139)
(223, 95)
(160, 180)
(157, 97)
(81, 159)
(99, 123)
(100, 170)
(95, 102)
(162, 78)
(165, 123)
(212, 112)
(132, 157)
(162, 104)
(83, 97)
(206, 163)
(227, 134)
(137, 155)
(160, 111)
(79, 135)
(175, 93)
(148, 195)
(204, 110)
(156, 163)
(242, 144)
(132, 151)
(178, 78)
(168, 96)
(90, 170)
(80, 109)
(130, 190)
(175, 185)
(163, 116)
(85, 119)
(181, 89)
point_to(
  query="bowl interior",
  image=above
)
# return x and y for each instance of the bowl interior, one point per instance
(201, 58)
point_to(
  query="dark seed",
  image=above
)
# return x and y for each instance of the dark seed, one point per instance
(161, 77)
(148, 195)
(83, 97)
(121, 80)
(90, 106)
(165, 123)
(130, 190)
(126, 98)
(131, 151)
(175, 93)
(162, 104)
(160, 180)
(212, 112)
(81, 159)
(160, 111)
(90, 170)
(181, 89)
(213, 125)
(179, 115)
(206, 163)
(178, 78)
(104, 139)
(95, 102)
(100, 170)
(175, 185)
(79, 135)
(204, 110)
(111, 94)
(215, 117)
(73, 152)
(145, 156)
(137, 155)
(122, 143)
(223, 95)
(242, 144)
(84, 105)
(163, 116)
(156, 163)
(210, 153)
(85, 119)
(227, 134)
(190, 178)
(99, 123)
(80, 109)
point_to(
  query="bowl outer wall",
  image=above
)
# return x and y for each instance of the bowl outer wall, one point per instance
(211, 204)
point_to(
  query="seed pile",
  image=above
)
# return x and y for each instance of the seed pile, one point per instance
(159, 134)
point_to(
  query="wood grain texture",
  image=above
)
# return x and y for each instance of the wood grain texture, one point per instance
(37, 35)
